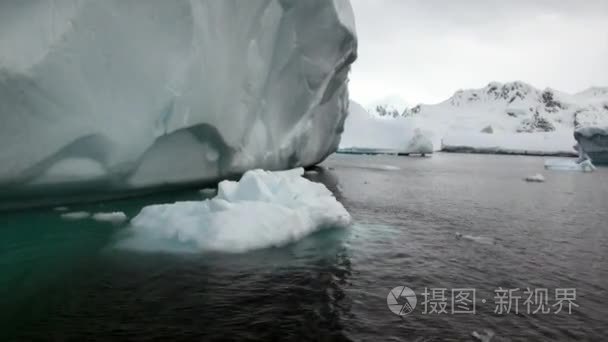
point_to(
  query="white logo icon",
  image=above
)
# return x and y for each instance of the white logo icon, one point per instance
(401, 300)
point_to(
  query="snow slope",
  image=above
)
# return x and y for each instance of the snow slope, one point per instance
(263, 209)
(513, 117)
(363, 131)
(514, 108)
(124, 95)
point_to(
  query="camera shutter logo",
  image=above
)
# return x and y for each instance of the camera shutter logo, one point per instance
(401, 300)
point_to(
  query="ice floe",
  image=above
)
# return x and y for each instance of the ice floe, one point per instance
(263, 209)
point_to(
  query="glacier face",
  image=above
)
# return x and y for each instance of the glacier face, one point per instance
(373, 133)
(594, 142)
(121, 95)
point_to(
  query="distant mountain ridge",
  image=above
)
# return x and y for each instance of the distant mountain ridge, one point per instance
(511, 107)
(391, 106)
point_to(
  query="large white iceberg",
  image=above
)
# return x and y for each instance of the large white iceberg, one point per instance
(263, 209)
(119, 95)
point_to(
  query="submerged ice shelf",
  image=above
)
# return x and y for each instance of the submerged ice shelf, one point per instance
(569, 165)
(263, 209)
(124, 96)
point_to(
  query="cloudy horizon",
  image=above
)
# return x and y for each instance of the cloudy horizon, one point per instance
(423, 51)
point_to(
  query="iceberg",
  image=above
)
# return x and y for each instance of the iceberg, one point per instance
(593, 141)
(263, 209)
(208, 192)
(486, 336)
(537, 178)
(76, 215)
(569, 165)
(113, 96)
(116, 217)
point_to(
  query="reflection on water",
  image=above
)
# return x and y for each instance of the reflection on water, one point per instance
(286, 292)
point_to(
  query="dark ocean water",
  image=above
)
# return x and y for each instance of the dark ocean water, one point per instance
(442, 223)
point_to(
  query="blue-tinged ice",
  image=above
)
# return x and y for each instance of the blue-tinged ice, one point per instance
(117, 96)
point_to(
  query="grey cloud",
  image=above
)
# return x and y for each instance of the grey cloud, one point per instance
(425, 50)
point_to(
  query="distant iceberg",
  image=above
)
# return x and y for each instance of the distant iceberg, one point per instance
(76, 215)
(537, 178)
(569, 165)
(116, 217)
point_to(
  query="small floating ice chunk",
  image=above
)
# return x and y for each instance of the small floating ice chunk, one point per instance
(263, 209)
(485, 337)
(478, 239)
(537, 178)
(116, 217)
(75, 215)
(208, 192)
(383, 167)
(61, 209)
(569, 165)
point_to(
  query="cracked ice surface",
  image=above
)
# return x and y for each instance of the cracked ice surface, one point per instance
(124, 95)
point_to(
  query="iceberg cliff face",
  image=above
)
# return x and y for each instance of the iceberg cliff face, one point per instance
(594, 142)
(122, 95)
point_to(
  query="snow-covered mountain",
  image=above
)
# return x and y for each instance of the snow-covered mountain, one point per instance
(519, 107)
(594, 93)
(515, 116)
(390, 106)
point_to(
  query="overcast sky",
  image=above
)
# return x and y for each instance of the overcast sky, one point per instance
(424, 50)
